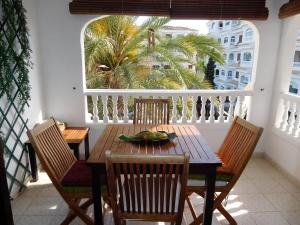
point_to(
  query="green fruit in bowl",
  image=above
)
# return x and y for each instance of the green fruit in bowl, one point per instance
(148, 136)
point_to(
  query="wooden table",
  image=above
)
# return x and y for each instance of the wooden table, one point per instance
(202, 158)
(74, 136)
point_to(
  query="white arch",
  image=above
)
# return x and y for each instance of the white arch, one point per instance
(82, 48)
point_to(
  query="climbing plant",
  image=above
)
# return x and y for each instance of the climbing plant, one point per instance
(15, 63)
(14, 49)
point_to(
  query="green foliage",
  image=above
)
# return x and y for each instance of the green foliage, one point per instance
(14, 50)
(117, 55)
(210, 71)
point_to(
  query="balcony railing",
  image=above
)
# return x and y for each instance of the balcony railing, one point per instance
(289, 120)
(116, 105)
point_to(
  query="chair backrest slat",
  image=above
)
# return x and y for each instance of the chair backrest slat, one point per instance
(239, 145)
(147, 184)
(52, 149)
(151, 111)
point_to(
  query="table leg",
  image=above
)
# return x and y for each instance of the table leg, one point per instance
(33, 164)
(209, 196)
(75, 148)
(96, 186)
(87, 147)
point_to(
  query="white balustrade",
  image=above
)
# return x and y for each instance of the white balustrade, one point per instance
(290, 115)
(216, 106)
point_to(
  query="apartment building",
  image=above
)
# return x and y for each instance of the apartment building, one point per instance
(237, 39)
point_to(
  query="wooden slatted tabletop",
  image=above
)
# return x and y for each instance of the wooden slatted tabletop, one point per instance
(202, 158)
(75, 134)
(188, 139)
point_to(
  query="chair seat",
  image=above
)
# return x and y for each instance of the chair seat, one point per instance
(79, 175)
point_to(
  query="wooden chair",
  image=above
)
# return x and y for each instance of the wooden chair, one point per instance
(61, 165)
(234, 153)
(147, 187)
(151, 111)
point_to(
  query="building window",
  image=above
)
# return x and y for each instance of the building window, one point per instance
(293, 90)
(167, 67)
(240, 38)
(227, 23)
(225, 40)
(155, 67)
(225, 56)
(213, 25)
(190, 67)
(249, 33)
(244, 80)
(237, 75)
(247, 57)
(231, 56)
(217, 72)
(232, 39)
(168, 35)
(297, 56)
(235, 22)
(223, 72)
(238, 57)
(229, 75)
(220, 25)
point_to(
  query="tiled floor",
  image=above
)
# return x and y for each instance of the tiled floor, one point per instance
(262, 196)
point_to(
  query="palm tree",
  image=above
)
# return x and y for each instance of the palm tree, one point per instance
(118, 55)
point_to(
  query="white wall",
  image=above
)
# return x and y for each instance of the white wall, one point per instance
(61, 65)
(280, 149)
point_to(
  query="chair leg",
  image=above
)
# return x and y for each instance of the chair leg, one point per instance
(226, 214)
(78, 211)
(72, 215)
(191, 207)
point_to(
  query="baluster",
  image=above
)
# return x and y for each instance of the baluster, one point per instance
(285, 115)
(194, 109)
(203, 102)
(291, 121)
(230, 111)
(296, 129)
(174, 116)
(95, 109)
(240, 101)
(211, 110)
(221, 110)
(184, 109)
(126, 118)
(115, 108)
(105, 110)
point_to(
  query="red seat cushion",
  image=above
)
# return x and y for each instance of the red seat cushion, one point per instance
(78, 175)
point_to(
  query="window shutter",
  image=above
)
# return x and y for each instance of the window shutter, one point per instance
(119, 7)
(219, 9)
(177, 9)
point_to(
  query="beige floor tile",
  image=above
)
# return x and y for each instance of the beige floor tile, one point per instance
(35, 220)
(255, 172)
(254, 203)
(44, 206)
(245, 187)
(292, 217)
(20, 204)
(268, 185)
(289, 185)
(242, 219)
(49, 191)
(269, 218)
(284, 201)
